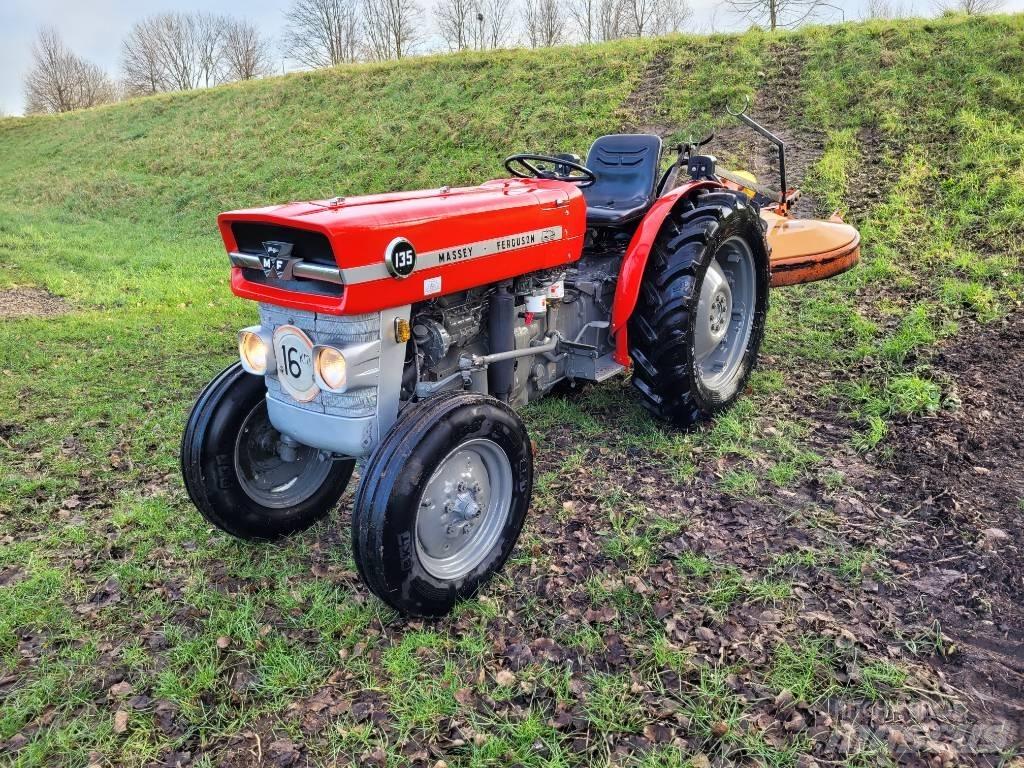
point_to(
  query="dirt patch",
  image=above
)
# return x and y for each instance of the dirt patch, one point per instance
(644, 110)
(876, 172)
(773, 107)
(958, 477)
(30, 302)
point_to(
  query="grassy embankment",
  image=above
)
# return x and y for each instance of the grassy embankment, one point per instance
(112, 575)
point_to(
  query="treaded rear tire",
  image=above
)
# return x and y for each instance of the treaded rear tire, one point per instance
(661, 330)
(385, 514)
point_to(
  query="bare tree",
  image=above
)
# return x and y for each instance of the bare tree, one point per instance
(455, 21)
(971, 7)
(323, 33)
(393, 28)
(611, 18)
(244, 52)
(60, 81)
(491, 23)
(178, 47)
(545, 23)
(779, 13)
(142, 63)
(173, 52)
(208, 35)
(639, 15)
(882, 9)
(583, 14)
(670, 16)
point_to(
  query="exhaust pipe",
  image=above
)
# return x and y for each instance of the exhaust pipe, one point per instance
(501, 329)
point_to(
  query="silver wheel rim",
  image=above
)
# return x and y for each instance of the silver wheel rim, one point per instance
(463, 509)
(725, 314)
(265, 476)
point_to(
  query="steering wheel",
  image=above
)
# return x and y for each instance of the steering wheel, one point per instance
(514, 164)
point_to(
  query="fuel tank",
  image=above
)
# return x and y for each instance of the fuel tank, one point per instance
(363, 254)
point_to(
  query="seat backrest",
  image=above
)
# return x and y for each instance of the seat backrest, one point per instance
(626, 166)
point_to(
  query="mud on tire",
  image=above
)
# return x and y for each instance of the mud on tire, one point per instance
(417, 487)
(716, 234)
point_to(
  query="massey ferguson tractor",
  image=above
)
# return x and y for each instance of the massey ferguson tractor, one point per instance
(402, 331)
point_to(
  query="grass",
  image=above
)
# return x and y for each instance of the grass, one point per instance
(806, 671)
(109, 572)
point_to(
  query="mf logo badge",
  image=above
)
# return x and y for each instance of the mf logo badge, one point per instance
(400, 257)
(277, 260)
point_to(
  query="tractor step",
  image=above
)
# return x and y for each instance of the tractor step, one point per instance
(607, 367)
(588, 368)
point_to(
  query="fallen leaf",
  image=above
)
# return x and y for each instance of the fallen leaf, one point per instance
(121, 721)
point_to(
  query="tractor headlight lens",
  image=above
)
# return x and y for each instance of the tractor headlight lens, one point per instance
(330, 367)
(253, 351)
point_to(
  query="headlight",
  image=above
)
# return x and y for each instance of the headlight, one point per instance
(254, 351)
(330, 368)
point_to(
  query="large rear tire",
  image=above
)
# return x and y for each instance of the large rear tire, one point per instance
(235, 470)
(698, 324)
(442, 501)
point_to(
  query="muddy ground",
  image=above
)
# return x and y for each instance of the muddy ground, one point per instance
(958, 480)
(941, 598)
(30, 302)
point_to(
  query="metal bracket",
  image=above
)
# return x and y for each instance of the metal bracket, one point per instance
(744, 118)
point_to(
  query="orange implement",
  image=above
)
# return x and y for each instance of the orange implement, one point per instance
(805, 250)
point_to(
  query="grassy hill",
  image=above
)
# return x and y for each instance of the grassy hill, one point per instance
(108, 576)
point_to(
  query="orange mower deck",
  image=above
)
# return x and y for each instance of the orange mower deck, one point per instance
(806, 250)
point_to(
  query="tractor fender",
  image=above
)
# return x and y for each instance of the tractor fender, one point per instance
(631, 272)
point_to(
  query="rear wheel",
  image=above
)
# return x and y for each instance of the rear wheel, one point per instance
(699, 320)
(243, 475)
(442, 500)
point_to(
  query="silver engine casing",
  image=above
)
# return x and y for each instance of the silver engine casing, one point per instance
(348, 423)
(446, 332)
(580, 319)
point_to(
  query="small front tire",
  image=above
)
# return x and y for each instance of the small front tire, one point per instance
(234, 469)
(442, 501)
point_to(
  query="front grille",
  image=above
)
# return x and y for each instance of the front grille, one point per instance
(338, 331)
(299, 285)
(306, 245)
(309, 248)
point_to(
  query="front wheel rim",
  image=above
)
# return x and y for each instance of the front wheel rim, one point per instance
(725, 314)
(266, 477)
(463, 509)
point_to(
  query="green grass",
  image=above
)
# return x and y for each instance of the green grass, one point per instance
(806, 671)
(113, 210)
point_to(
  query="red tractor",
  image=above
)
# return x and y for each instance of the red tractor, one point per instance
(403, 330)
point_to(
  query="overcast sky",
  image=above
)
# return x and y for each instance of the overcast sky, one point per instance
(94, 28)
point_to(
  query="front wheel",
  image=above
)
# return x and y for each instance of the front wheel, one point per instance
(442, 501)
(243, 475)
(697, 328)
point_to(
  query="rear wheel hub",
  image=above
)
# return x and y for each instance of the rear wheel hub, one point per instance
(725, 313)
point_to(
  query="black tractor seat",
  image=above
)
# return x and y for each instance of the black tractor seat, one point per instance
(626, 166)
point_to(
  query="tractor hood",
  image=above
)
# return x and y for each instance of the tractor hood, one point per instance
(359, 254)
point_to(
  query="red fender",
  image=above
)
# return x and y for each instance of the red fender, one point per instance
(631, 273)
